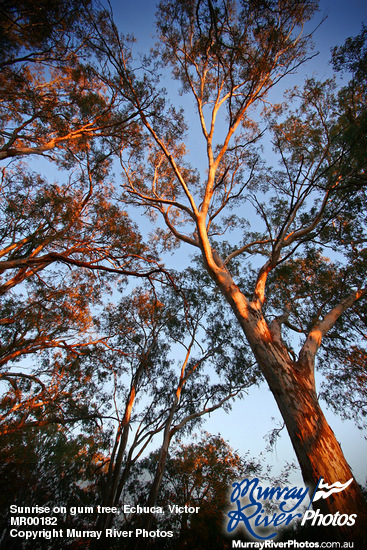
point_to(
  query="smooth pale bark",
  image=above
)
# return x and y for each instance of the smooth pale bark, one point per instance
(293, 386)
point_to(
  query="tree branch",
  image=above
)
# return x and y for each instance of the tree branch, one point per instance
(321, 328)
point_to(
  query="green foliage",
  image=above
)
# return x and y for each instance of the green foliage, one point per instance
(352, 56)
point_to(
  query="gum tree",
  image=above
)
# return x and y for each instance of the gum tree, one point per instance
(60, 227)
(49, 101)
(171, 366)
(228, 56)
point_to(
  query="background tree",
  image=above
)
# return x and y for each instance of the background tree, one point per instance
(198, 474)
(75, 223)
(194, 394)
(44, 304)
(162, 350)
(56, 236)
(50, 101)
(57, 389)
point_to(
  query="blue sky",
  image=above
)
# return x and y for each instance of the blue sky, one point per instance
(344, 19)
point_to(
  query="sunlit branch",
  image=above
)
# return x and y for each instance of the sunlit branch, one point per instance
(61, 420)
(156, 200)
(10, 375)
(228, 196)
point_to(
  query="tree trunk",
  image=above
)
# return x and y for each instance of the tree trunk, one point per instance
(147, 521)
(157, 481)
(293, 386)
(114, 481)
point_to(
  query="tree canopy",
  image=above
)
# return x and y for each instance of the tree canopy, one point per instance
(93, 149)
(296, 222)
